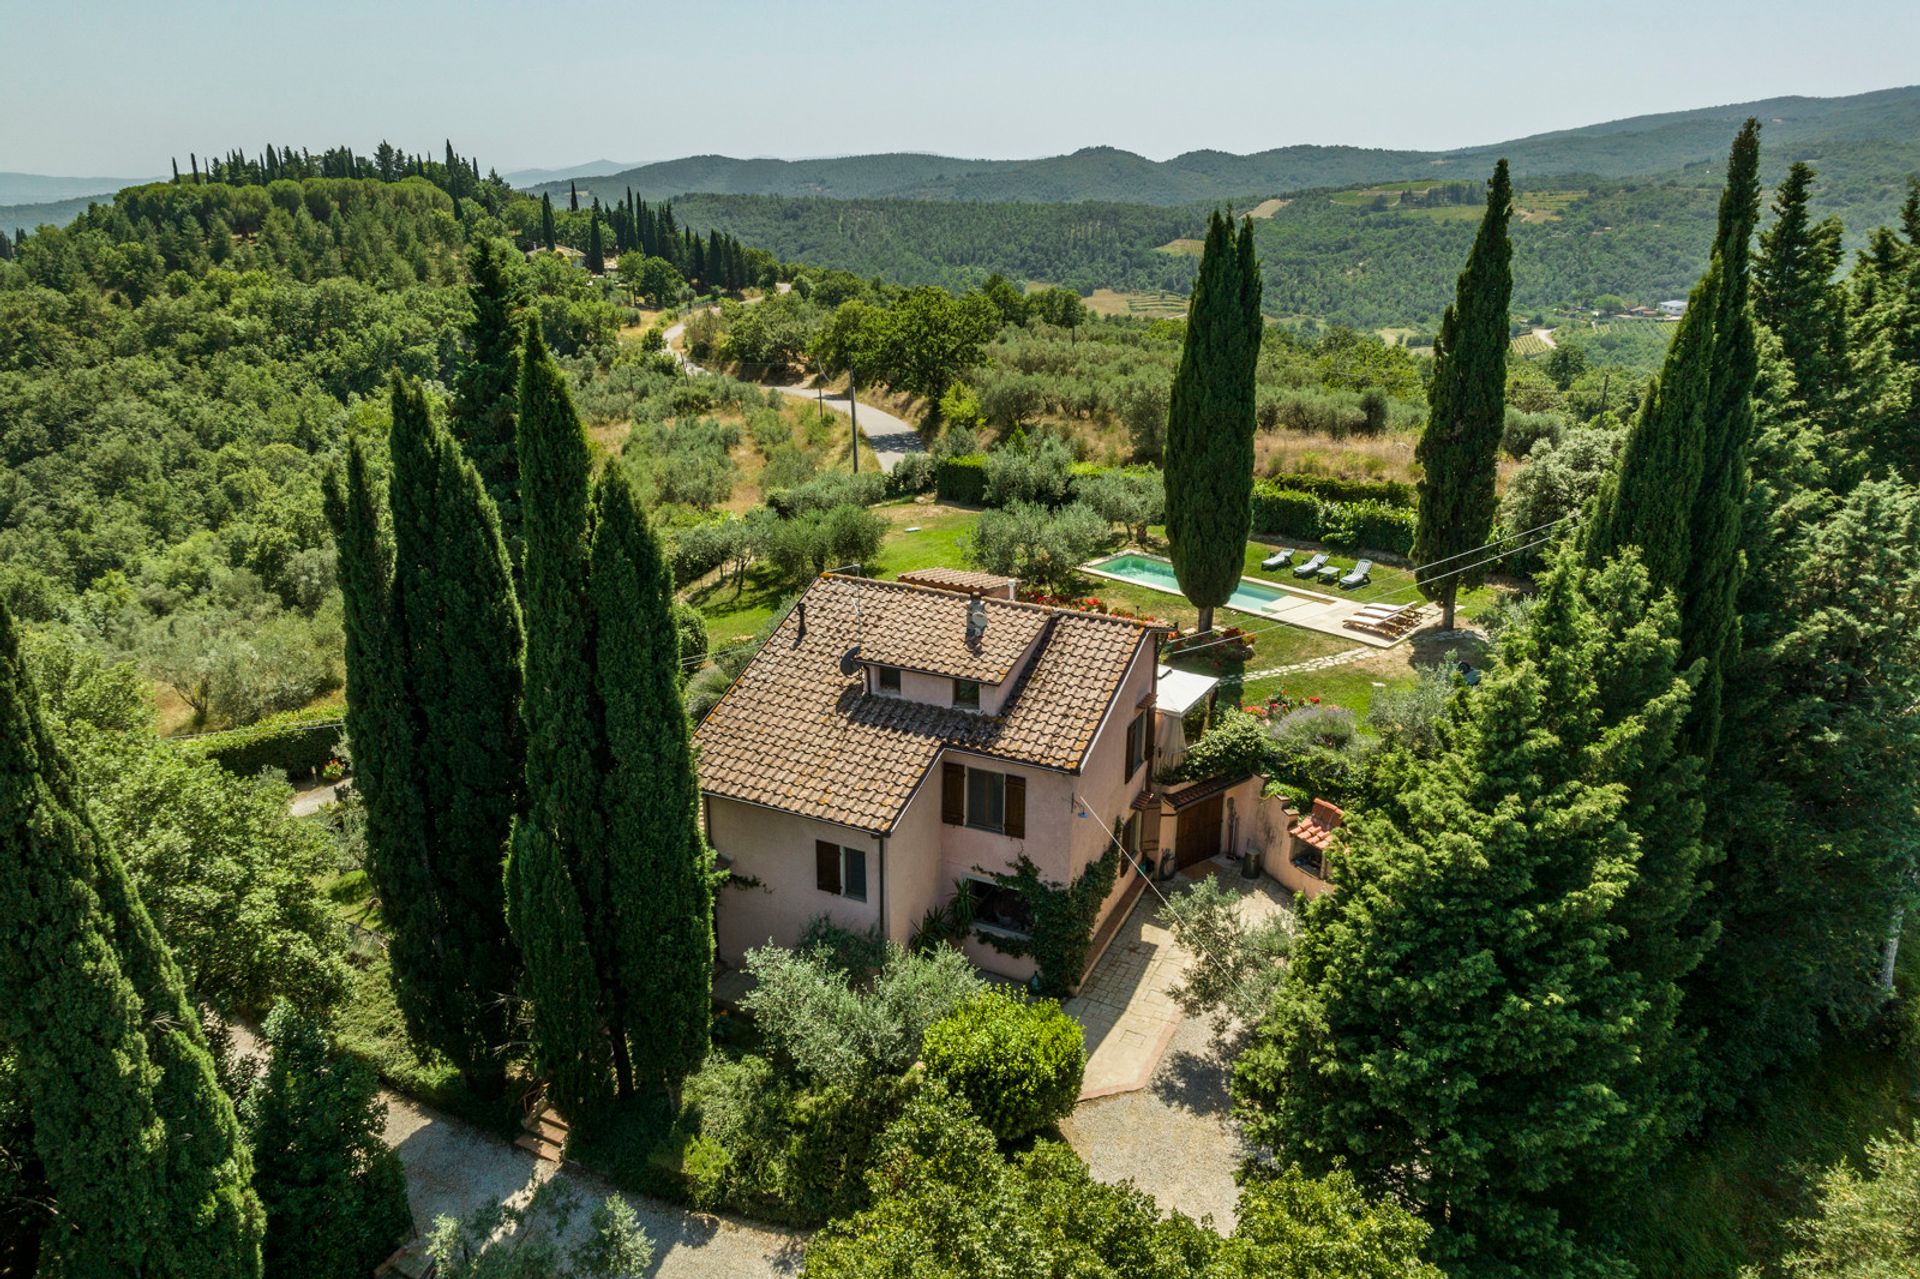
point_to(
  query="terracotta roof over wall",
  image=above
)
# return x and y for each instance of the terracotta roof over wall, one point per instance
(1317, 827)
(795, 733)
(958, 579)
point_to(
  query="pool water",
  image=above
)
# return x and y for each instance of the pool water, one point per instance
(1154, 572)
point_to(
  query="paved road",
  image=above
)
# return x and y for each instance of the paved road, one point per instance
(895, 438)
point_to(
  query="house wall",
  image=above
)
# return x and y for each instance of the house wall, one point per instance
(1246, 826)
(776, 849)
(924, 857)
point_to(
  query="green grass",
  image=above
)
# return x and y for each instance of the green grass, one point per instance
(1727, 1200)
(940, 541)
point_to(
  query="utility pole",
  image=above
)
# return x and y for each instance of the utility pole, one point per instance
(853, 416)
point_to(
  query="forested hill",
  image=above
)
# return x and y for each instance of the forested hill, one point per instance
(1640, 146)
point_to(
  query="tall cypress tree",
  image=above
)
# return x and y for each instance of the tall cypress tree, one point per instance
(660, 871)
(1210, 421)
(1456, 1025)
(433, 708)
(1795, 294)
(573, 197)
(1466, 411)
(547, 237)
(141, 1149)
(553, 897)
(454, 602)
(1709, 619)
(596, 247)
(486, 386)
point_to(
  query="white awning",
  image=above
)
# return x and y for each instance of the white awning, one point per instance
(1180, 691)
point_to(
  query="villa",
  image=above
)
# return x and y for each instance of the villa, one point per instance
(897, 743)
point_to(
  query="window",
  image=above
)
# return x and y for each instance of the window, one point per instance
(997, 908)
(986, 799)
(983, 799)
(1138, 742)
(840, 871)
(886, 680)
(966, 694)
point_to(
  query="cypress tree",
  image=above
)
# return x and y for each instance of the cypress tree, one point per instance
(573, 198)
(1210, 421)
(1456, 1026)
(1466, 411)
(433, 708)
(140, 1147)
(336, 1196)
(660, 871)
(552, 898)
(1709, 620)
(596, 249)
(454, 604)
(546, 222)
(1795, 294)
(486, 385)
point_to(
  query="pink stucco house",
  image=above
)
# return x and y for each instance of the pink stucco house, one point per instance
(897, 742)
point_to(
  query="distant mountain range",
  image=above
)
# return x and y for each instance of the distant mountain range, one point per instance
(591, 169)
(39, 188)
(1640, 146)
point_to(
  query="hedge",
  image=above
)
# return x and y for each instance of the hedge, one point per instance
(1368, 524)
(1019, 1064)
(963, 480)
(1392, 492)
(297, 742)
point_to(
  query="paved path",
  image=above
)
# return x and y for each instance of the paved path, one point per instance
(1155, 1107)
(454, 1168)
(307, 802)
(1313, 664)
(896, 438)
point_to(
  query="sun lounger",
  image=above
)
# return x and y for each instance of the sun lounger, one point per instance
(1278, 559)
(1390, 625)
(1361, 575)
(1378, 610)
(1312, 566)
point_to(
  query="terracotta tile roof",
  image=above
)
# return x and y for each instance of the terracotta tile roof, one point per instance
(958, 579)
(925, 629)
(1317, 827)
(795, 733)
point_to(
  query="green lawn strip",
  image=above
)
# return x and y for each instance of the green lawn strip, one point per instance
(1726, 1201)
(938, 541)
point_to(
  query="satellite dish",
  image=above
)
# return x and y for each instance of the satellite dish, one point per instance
(850, 660)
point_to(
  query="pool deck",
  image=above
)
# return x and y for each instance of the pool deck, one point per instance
(1308, 609)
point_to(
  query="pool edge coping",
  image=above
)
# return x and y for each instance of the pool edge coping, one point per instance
(1091, 566)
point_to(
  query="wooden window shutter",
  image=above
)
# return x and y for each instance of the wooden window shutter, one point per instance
(953, 794)
(1016, 807)
(826, 866)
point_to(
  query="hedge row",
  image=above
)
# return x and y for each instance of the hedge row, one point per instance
(964, 480)
(1369, 524)
(297, 743)
(1391, 492)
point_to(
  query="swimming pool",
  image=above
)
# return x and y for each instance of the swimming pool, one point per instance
(1251, 596)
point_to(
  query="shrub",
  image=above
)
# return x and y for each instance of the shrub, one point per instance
(297, 743)
(1368, 525)
(841, 1035)
(1041, 547)
(1132, 498)
(1038, 471)
(914, 473)
(691, 628)
(1236, 745)
(1018, 1063)
(703, 548)
(963, 479)
(1335, 489)
(825, 492)
(1244, 962)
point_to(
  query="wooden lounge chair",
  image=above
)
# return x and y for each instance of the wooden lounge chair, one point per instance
(1378, 610)
(1312, 566)
(1391, 625)
(1279, 559)
(1362, 574)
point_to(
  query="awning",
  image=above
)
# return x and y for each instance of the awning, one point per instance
(1181, 691)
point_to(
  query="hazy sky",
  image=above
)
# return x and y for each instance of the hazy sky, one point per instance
(113, 87)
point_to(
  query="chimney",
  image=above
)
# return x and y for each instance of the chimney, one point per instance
(976, 620)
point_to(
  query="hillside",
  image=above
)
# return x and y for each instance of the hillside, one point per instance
(1639, 146)
(25, 217)
(40, 188)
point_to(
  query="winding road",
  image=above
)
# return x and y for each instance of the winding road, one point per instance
(895, 438)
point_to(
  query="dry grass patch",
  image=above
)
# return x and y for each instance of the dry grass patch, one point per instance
(1267, 208)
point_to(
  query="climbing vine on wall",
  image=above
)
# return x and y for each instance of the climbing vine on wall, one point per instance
(1063, 920)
